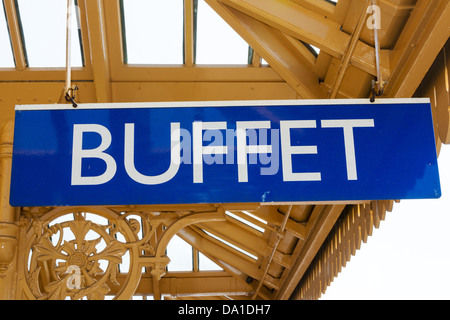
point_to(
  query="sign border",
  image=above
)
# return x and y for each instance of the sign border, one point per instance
(221, 103)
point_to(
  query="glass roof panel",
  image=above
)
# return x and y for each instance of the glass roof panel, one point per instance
(215, 38)
(153, 31)
(231, 245)
(206, 264)
(6, 55)
(180, 255)
(44, 27)
(248, 223)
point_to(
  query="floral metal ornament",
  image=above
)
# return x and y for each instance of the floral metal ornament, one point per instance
(69, 254)
(74, 267)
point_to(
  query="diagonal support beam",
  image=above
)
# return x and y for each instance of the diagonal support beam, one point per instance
(271, 45)
(189, 51)
(15, 34)
(273, 216)
(224, 256)
(422, 38)
(310, 27)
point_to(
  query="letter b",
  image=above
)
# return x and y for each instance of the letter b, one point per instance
(78, 153)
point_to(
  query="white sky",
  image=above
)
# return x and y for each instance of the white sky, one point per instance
(407, 258)
(50, 32)
(214, 36)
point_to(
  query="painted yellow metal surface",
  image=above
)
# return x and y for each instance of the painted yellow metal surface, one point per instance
(282, 259)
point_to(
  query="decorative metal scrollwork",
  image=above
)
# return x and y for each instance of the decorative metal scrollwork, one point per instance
(71, 255)
(78, 258)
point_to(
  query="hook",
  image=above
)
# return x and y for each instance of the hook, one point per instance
(376, 93)
(70, 95)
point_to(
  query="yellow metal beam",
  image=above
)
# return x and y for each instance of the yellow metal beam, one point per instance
(273, 216)
(349, 51)
(48, 92)
(423, 37)
(189, 33)
(98, 48)
(200, 91)
(15, 34)
(192, 284)
(312, 28)
(247, 241)
(271, 44)
(30, 92)
(231, 260)
(393, 15)
(323, 8)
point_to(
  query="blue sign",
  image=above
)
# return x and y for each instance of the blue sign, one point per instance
(224, 152)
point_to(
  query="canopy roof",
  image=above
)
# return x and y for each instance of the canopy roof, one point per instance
(281, 49)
